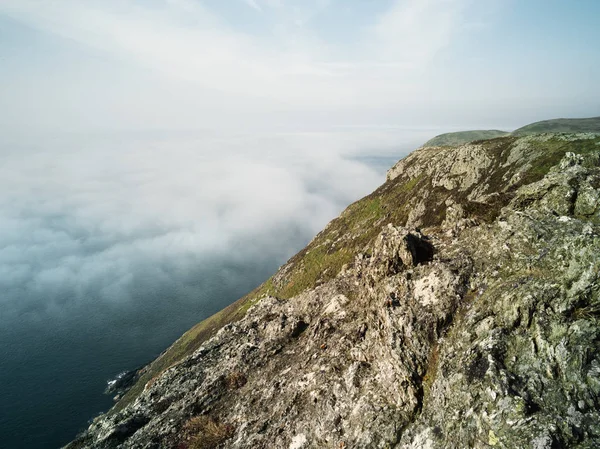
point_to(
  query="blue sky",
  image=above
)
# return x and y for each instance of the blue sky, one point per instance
(186, 64)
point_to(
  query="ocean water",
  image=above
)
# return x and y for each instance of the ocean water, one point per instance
(54, 369)
(111, 249)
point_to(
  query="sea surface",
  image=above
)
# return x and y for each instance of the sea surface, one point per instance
(110, 249)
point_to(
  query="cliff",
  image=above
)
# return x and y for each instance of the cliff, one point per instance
(456, 306)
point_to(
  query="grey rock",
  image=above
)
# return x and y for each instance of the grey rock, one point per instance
(466, 335)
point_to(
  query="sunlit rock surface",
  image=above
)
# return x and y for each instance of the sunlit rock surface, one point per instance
(479, 329)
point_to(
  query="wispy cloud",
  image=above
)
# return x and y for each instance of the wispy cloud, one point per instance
(253, 4)
(178, 63)
(187, 40)
(412, 32)
(83, 219)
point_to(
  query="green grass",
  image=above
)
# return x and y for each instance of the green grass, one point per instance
(561, 125)
(364, 211)
(552, 151)
(317, 266)
(461, 137)
(409, 185)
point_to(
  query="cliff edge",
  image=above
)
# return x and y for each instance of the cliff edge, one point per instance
(456, 306)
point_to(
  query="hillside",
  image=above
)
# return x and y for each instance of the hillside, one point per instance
(561, 125)
(458, 305)
(359, 223)
(458, 138)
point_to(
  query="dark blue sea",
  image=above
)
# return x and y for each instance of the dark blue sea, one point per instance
(55, 366)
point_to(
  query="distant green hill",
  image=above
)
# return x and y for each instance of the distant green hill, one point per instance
(458, 138)
(561, 125)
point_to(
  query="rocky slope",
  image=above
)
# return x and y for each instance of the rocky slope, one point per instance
(456, 306)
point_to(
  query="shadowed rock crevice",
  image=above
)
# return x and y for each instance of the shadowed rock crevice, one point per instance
(420, 248)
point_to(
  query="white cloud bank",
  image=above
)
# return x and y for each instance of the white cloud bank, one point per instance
(89, 220)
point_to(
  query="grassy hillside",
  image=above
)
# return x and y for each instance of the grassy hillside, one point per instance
(458, 138)
(561, 125)
(347, 235)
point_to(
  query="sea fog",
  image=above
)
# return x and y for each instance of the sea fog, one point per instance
(111, 248)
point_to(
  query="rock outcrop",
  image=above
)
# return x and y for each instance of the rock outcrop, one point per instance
(479, 329)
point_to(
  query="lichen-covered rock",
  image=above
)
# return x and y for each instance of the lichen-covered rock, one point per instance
(467, 333)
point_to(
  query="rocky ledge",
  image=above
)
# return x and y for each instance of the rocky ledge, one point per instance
(479, 329)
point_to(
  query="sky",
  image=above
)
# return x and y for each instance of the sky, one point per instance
(173, 65)
(161, 158)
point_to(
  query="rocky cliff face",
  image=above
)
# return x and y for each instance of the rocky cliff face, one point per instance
(457, 306)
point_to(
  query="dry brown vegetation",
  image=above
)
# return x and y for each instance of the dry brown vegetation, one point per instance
(204, 432)
(235, 380)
